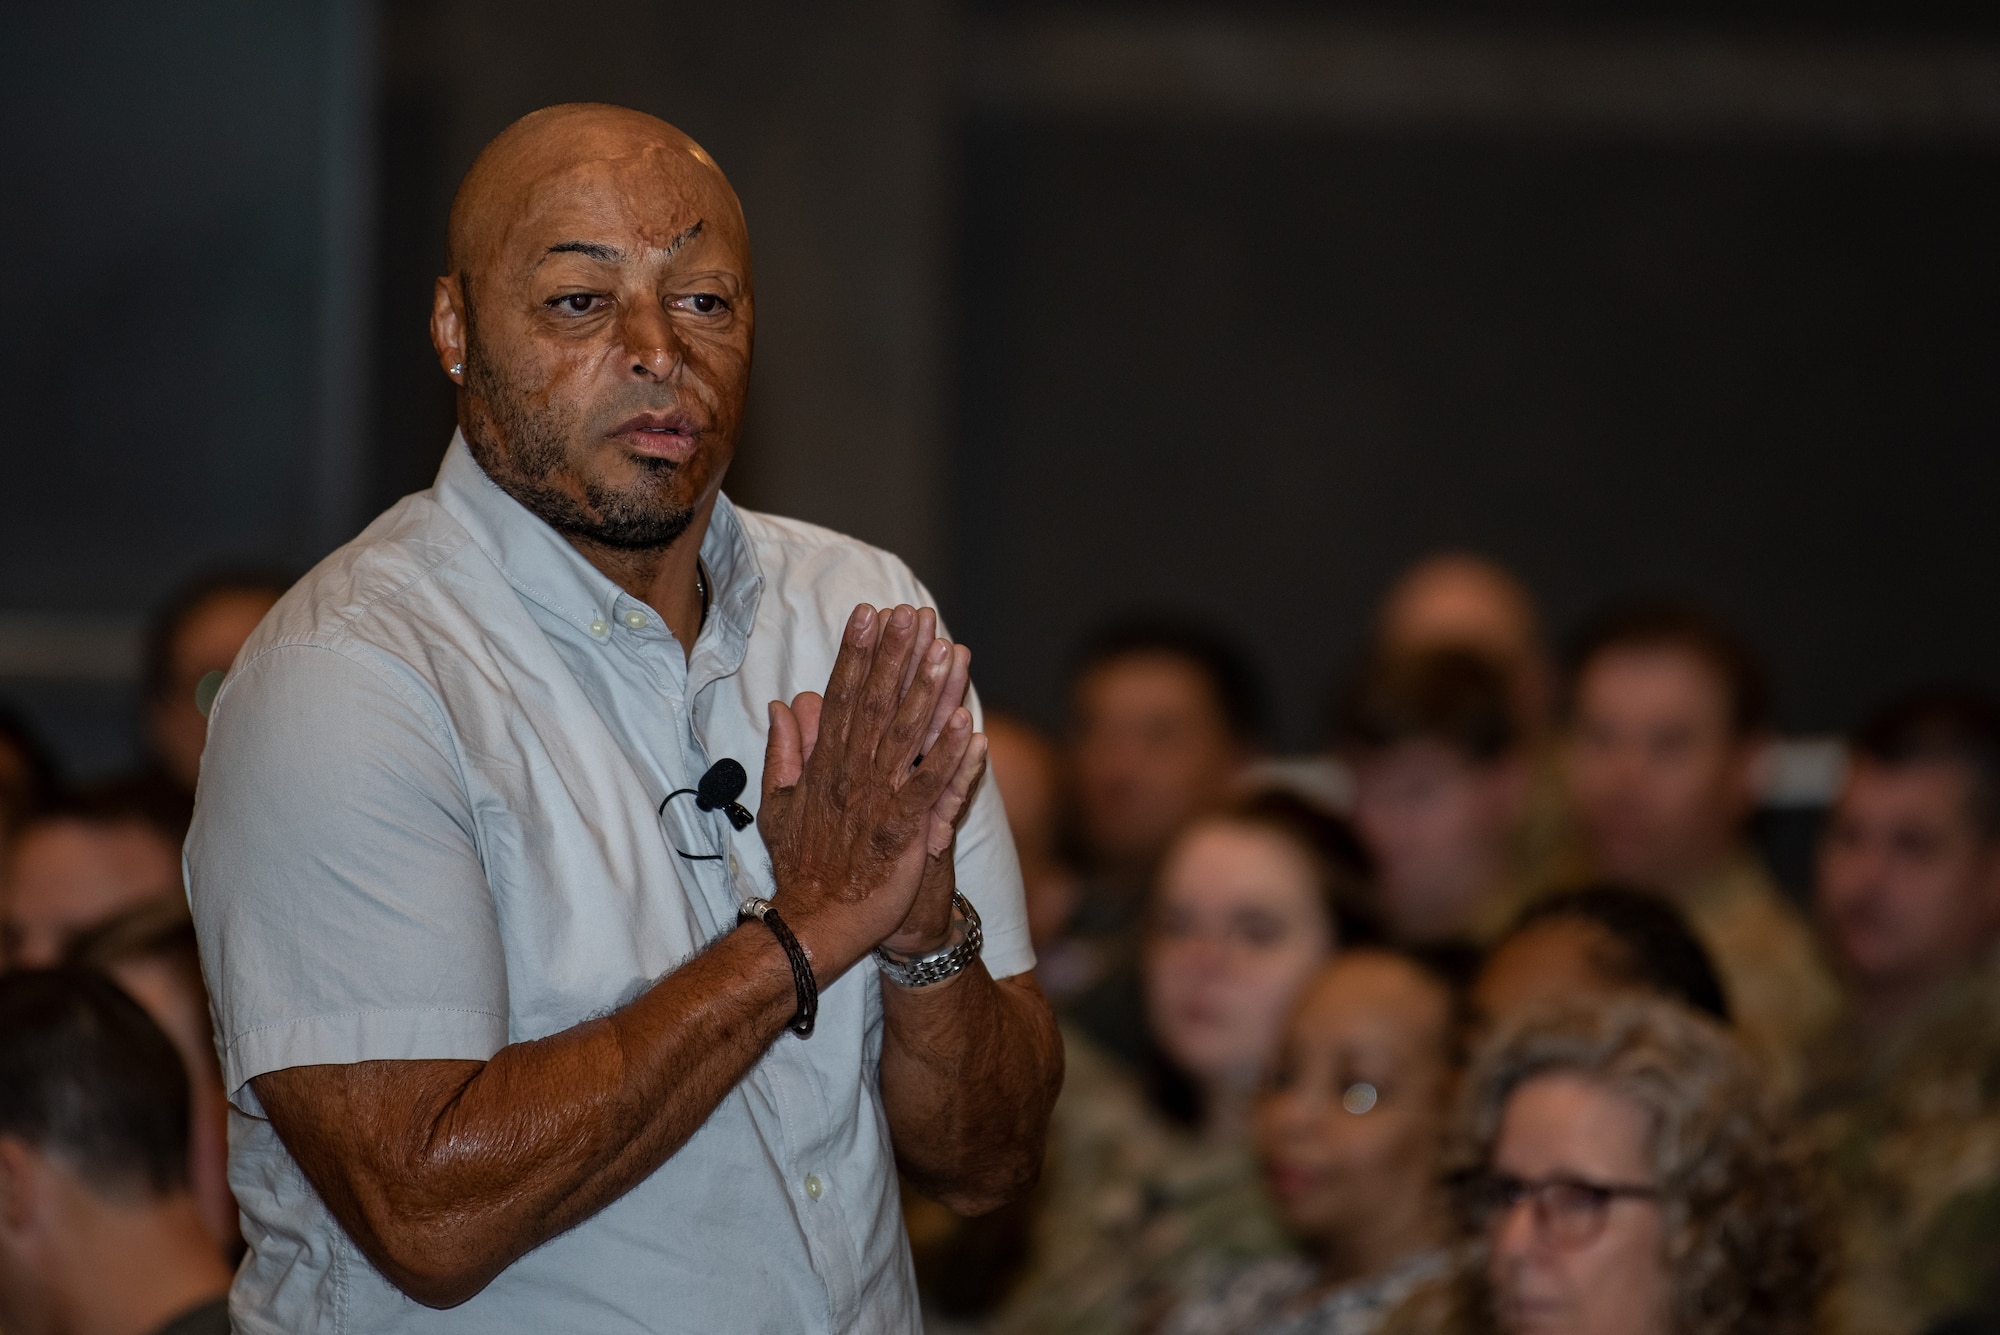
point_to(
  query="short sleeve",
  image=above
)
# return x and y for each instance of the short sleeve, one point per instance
(334, 874)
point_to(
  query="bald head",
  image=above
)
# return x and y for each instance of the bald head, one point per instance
(1459, 600)
(559, 147)
(597, 319)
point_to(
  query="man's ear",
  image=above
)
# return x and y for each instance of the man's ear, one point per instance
(449, 332)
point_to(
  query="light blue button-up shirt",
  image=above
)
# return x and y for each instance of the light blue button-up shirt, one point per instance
(428, 828)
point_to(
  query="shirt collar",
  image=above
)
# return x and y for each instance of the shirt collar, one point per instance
(545, 569)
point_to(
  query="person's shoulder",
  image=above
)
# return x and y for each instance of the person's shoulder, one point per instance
(794, 554)
(358, 590)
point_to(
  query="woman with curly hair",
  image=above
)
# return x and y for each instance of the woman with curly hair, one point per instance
(1625, 1175)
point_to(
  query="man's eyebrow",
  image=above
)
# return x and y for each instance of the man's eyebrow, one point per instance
(597, 250)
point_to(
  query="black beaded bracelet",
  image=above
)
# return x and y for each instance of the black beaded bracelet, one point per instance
(802, 973)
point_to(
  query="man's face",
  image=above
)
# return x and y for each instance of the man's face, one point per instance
(1660, 778)
(607, 322)
(1152, 750)
(1909, 888)
(64, 877)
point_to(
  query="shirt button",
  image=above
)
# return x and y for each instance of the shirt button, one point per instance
(814, 1186)
(599, 629)
(635, 619)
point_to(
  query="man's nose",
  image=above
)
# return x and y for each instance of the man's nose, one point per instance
(652, 348)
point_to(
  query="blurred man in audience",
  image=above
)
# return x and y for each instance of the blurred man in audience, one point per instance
(189, 647)
(1163, 717)
(1908, 1096)
(1669, 719)
(1598, 942)
(1440, 791)
(81, 862)
(98, 1232)
(151, 952)
(1458, 600)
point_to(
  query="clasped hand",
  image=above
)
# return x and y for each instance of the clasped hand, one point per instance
(864, 789)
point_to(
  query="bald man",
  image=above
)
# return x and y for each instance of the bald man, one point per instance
(526, 1025)
(1459, 600)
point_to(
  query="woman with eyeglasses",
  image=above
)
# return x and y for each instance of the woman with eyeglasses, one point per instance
(1350, 1134)
(1627, 1176)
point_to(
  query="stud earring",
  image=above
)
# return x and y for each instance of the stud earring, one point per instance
(458, 368)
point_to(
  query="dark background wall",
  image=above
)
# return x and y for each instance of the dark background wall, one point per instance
(1254, 373)
(1234, 309)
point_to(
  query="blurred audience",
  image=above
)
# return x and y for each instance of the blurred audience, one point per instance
(1441, 780)
(1350, 1134)
(1907, 1100)
(1625, 1174)
(150, 951)
(85, 859)
(1669, 720)
(191, 643)
(1584, 945)
(27, 774)
(1029, 772)
(1163, 718)
(1149, 1192)
(99, 1234)
(964, 1266)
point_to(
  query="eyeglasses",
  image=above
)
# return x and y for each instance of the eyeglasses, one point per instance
(1568, 1211)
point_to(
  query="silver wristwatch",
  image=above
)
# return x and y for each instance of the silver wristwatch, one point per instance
(947, 960)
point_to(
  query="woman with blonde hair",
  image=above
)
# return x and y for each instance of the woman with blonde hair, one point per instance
(1624, 1173)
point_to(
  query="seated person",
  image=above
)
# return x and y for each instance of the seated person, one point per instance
(1440, 791)
(1149, 1191)
(1625, 1175)
(1163, 718)
(1350, 1133)
(1669, 718)
(83, 861)
(1907, 1101)
(1460, 600)
(1600, 941)
(99, 1233)
(151, 952)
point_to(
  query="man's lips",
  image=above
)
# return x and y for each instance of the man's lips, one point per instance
(667, 435)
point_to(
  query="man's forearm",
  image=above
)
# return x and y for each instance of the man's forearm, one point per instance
(460, 1167)
(970, 1070)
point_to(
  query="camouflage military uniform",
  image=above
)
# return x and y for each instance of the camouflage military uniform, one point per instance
(1134, 1214)
(1781, 994)
(1910, 1129)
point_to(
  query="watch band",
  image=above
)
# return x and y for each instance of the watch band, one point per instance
(947, 961)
